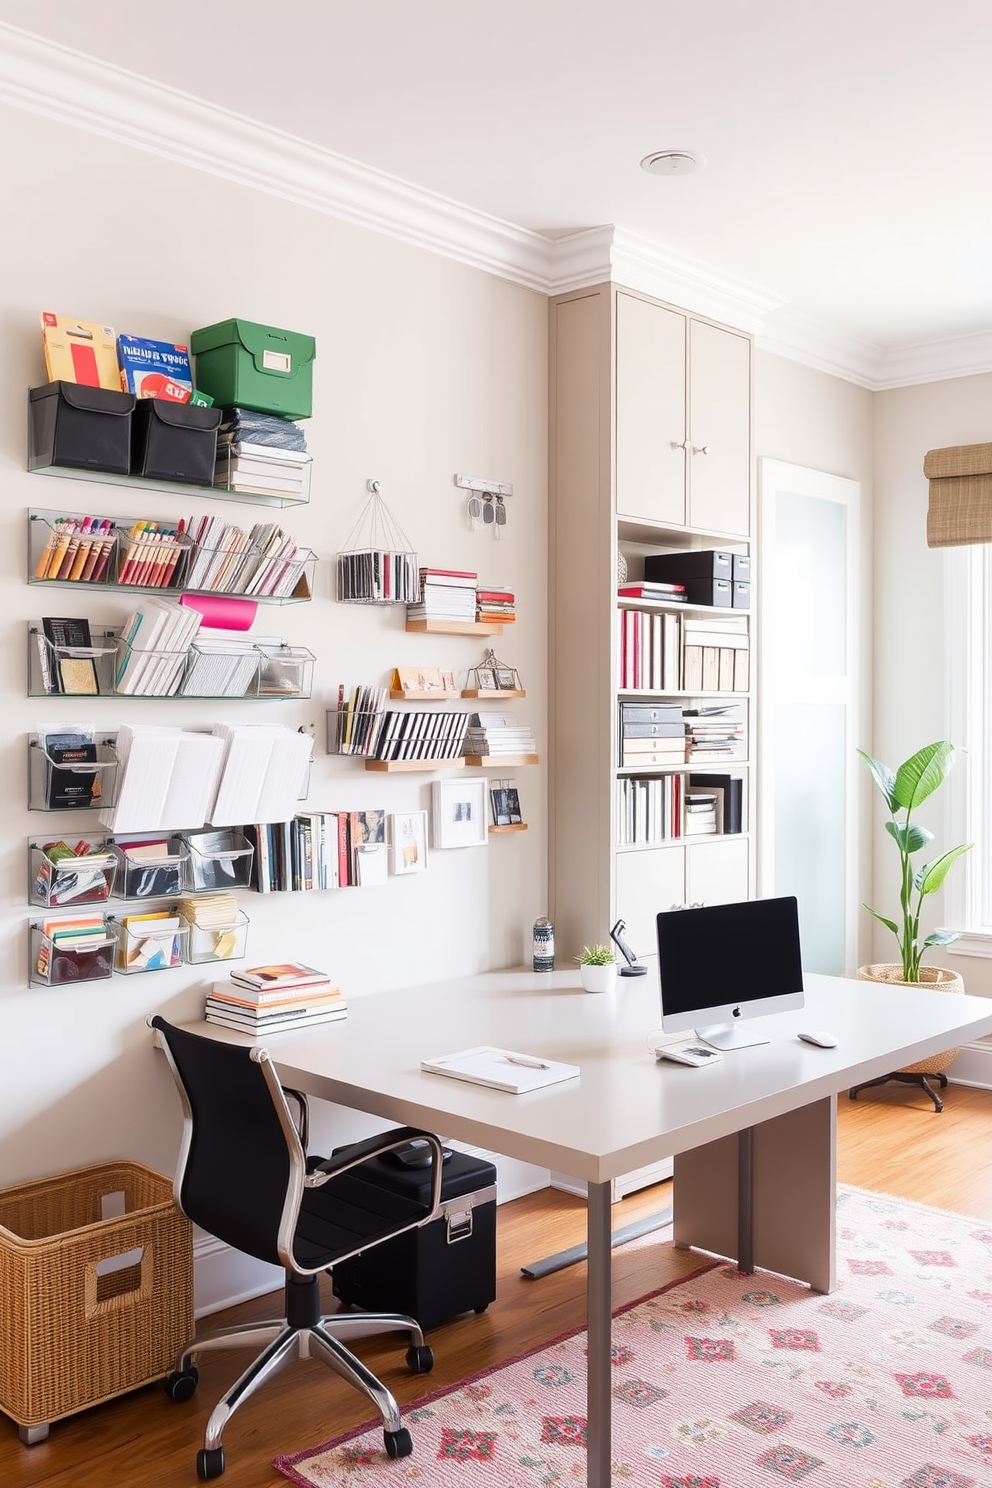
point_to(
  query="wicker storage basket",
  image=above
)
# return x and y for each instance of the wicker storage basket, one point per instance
(939, 980)
(90, 1306)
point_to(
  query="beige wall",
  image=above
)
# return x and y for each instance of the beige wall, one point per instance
(424, 368)
(818, 421)
(911, 641)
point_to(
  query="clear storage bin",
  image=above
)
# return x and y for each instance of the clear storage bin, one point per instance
(55, 785)
(72, 877)
(149, 870)
(71, 671)
(218, 860)
(285, 671)
(148, 944)
(56, 965)
(206, 943)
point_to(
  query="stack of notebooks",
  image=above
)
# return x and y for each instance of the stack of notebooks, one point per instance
(498, 734)
(701, 813)
(715, 733)
(495, 605)
(445, 594)
(154, 641)
(653, 589)
(260, 1000)
(214, 923)
(264, 561)
(261, 454)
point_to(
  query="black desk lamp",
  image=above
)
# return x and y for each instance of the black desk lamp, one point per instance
(633, 966)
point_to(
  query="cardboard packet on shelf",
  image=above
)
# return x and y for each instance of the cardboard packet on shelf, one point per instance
(80, 351)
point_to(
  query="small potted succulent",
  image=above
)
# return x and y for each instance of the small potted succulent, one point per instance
(597, 968)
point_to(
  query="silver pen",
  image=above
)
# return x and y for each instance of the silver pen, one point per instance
(526, 1061)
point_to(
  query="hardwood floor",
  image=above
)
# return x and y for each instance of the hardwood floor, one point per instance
(890, 1139)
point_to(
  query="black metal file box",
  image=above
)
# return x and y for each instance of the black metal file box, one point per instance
(707, 574)
(175, 441)
(86, 428)
(444, 1268)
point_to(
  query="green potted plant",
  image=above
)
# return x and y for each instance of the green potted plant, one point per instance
(597, 968)
(903, 790)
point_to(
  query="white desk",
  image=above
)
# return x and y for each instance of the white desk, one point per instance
(765, 1113)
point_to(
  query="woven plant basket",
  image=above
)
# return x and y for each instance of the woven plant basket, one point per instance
(939, 980)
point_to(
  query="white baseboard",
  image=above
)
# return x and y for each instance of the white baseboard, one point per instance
(223, 1276)
(973, 1065)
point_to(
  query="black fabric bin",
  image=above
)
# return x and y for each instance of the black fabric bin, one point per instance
(701, 563)
(445, 1267)
(86, 428)
(175, 441)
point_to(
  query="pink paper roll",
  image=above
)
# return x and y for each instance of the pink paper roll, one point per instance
(222, 611)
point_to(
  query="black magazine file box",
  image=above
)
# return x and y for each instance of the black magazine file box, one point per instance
(84, 428)
(175, 441)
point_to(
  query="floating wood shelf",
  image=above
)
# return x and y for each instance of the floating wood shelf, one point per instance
(394, 767)
(430, 695)
(477, 761)
(452, 627)
(493, 692)
(513, 827)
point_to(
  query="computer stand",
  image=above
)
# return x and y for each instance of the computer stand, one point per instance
(730, 1036)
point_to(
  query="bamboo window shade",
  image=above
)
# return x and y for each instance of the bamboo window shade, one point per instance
(960, 509)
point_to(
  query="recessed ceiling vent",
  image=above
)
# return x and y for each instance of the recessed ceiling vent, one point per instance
(672, 162)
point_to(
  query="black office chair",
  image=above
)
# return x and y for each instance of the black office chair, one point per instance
(244, 1176)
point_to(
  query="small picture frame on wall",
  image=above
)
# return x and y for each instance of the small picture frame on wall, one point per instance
(506, 679)
(513, 805)
(500, 803)
(459, 812)
(408, 842)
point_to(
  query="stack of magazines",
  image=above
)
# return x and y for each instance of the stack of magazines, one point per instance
(496, 734)
(262, 454)
(259, 1000)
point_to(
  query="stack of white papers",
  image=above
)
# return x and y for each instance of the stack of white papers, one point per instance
(264, 774)
(502, 1069)
(165, 779)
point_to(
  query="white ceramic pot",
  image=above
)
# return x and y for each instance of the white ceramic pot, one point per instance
(599, 978)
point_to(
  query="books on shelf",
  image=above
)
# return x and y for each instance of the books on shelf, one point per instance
(653, 589)
(152, 652)
(263, 561)
(649, 650)
(715, 733)
(730, 792)
(421, 734)
(716, 654)
(358, 721)
(261, 468)
(495, 605)
(445, 594)
(378, 575)
(649, 809)
(497, 733)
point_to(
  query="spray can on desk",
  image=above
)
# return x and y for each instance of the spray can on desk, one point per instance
(544, 945)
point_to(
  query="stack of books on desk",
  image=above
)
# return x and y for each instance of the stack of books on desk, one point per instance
(273, 999)
(496, 734)
(495, 605)
(445, 594)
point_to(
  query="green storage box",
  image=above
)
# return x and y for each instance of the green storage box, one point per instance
(244, 365)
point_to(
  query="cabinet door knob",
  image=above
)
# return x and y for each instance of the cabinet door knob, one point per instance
(682, 444)
(700, 449)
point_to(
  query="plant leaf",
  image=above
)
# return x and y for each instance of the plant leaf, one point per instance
(941, 937)
(930, 876)
(884, 779)
(920, 775)
(909, 838)
(890, 923)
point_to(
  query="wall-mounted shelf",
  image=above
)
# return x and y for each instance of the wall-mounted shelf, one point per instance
(172, 488)
(513, 827)
(397, 695)
(452, 627)
(500, 761)
(395, 767)
(492, 692)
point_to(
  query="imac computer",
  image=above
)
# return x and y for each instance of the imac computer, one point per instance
(725, 963)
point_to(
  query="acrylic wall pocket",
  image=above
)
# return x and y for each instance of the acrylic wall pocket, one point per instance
(72, 949)
(149, 942)
(218, 859)
(150, 867)
(64, 875)
(71, 768)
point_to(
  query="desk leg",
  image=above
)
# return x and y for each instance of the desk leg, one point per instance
(791, 1207)
(599, 1323)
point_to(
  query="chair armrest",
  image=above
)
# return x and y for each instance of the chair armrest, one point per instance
(356, 1153)
(302, 1119)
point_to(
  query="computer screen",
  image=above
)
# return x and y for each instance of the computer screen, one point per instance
(724, 963)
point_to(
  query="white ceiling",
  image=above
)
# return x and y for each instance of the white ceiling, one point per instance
(847, 141)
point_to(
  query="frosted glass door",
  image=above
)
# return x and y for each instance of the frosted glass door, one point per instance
(807, 593)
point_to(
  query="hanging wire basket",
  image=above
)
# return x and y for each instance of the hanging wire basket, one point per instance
(377, 565)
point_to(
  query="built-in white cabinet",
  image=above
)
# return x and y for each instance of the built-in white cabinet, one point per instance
(650, 453)
(683, 427)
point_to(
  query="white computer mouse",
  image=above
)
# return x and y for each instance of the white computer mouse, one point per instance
(821, 1040)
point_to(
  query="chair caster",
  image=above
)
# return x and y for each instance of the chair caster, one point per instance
(419, 1360)
(398, 1443)
(181, 1384)
(209, 1463)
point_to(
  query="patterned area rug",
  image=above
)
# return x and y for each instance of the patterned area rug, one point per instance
(730, 1381)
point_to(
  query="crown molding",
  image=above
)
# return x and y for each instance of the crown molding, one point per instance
(79, 90)
(73, 88)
